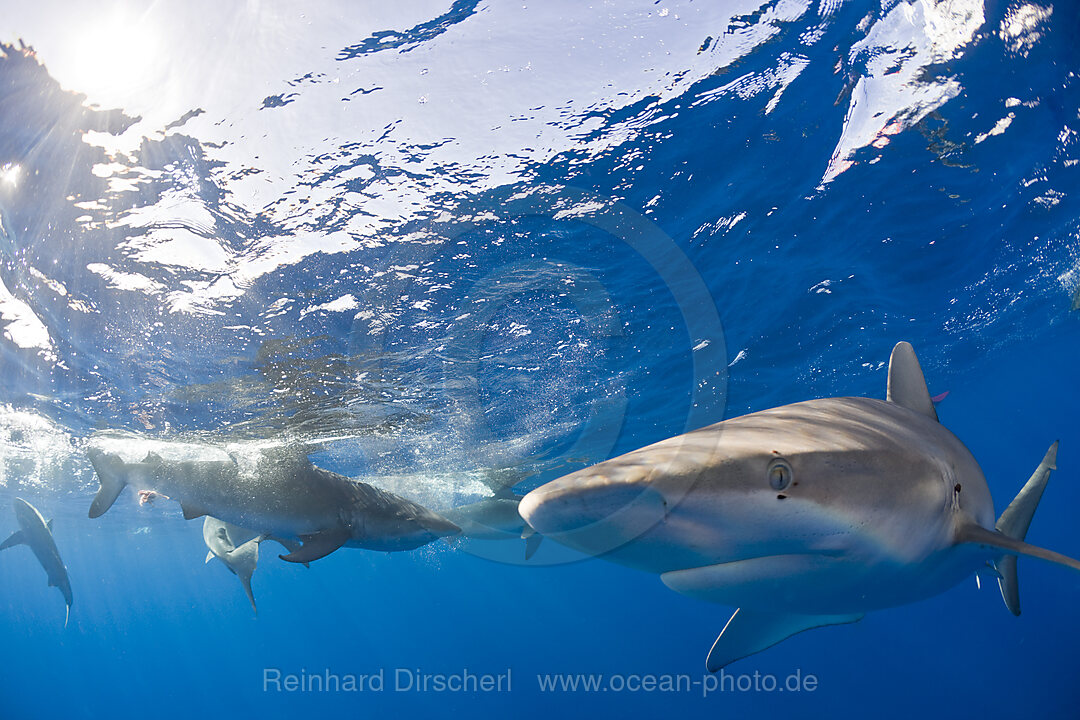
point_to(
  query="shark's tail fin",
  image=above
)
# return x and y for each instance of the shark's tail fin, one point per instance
(1015, 521)
(1007, 536)
(109, 471)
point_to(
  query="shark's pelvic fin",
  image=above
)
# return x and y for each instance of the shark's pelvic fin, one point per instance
(17, 538)
(907, 386)
(109, 470)
(749, 632)
(318, 545)
(1015, 521)
(532, 543)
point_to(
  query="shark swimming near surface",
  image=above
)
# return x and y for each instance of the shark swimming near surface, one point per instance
(804, 515)
(279, 493)
(37, 534)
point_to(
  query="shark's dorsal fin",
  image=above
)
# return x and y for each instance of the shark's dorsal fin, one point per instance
(907, 386)
(501, 480)
(505, 493)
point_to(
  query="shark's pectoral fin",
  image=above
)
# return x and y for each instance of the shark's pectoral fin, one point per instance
(532, 544)
(17, 538)
(907, 385)
(749, 632)
(209, 556)
(318, 545)
(290, 545)
(192, 511)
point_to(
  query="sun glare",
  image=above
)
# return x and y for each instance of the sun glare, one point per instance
(115, 61)
(9, 174)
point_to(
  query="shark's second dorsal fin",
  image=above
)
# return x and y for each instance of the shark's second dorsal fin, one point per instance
(907, 386)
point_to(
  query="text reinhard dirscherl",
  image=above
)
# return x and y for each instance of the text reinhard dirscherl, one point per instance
(405, 680)
(396, 680)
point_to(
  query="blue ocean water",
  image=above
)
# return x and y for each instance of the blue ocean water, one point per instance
(426, 242)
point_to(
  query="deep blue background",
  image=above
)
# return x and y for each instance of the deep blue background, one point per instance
(940, 242)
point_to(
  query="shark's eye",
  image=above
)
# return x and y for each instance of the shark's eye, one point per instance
(779, 474)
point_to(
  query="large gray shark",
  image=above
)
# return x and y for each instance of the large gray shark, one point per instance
(801, 516)
(276, 493)
(36, 533)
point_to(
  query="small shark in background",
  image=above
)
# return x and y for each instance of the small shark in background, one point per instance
(495, 518)
(802, 516)
(238, 549)
(37, 534)
(279, 493)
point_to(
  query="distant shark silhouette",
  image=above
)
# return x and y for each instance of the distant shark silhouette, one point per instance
(801, 516)
(37, 534)
(495, 517)
(280, 494)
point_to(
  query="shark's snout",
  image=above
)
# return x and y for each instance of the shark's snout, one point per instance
(583, 506)
(438, 526)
